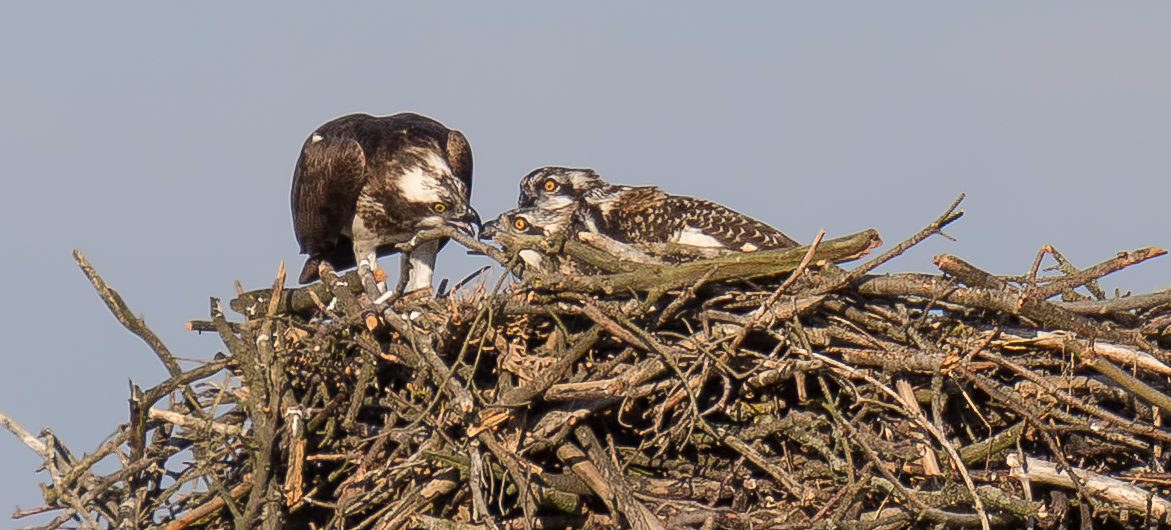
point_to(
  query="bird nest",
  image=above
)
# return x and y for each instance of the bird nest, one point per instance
(761, 390)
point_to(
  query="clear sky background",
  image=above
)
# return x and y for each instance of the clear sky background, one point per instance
(160, 139)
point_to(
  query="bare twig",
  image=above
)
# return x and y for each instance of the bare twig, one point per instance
(636, 398)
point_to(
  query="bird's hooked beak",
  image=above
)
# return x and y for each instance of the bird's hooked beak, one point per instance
(466, 221)
(490, 229)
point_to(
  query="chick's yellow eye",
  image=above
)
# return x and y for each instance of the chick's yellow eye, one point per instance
(550, 185)
(520, 224)
(439, 207)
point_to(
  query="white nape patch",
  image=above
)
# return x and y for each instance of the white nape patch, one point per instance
(533, 259)
(583, 179)
(438, 163)
(554, 202)
(695, 237)
(418, 185)
(316, 138)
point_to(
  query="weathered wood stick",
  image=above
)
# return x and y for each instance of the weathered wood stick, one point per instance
(742, 266)
(1113, 490)
(1115, 264)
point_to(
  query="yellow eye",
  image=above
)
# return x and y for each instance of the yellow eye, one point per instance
(439, 207)
(520, 224)
(550, 185)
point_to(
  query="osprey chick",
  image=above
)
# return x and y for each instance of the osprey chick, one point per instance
(553, 187)
(364, 184)
(530, 222)
(646, 214)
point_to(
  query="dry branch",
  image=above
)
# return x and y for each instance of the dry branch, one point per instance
(757, 390)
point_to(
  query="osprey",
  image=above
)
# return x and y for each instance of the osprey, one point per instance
(532, 222)
(566, 221)
(538, 222)
(364, 184)
(552, 187)
(646, 214)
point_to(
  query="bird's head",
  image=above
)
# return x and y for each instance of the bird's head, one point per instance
(466, 219)
(527, 222)
(434, 197)
(552, 187)
(518, 222)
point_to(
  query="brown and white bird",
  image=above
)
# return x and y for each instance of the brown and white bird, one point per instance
(552, 187)
(646, 214)
(509, 226)
(364, 184)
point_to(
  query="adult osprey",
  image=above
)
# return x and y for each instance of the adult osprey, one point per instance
(646, 214)
(366, 183)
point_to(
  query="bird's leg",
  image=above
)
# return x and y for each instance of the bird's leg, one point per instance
(422, 261)
(405, 266)
(367, 261)
(369, 279)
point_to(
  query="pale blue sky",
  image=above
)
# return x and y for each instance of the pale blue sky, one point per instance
(160, 139)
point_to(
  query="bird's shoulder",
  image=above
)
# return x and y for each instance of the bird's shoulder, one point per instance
(637, 198)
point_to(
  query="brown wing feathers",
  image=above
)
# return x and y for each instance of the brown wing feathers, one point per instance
(459, 157)
(647, 214)
(329, 177)
(733, 229)
(331, 174)
(328, 180)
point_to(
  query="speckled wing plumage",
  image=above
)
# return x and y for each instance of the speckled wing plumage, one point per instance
(648, 215)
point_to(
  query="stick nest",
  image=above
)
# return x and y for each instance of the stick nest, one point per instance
(764, 390)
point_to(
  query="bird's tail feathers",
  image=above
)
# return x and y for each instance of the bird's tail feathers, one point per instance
(309, 271)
